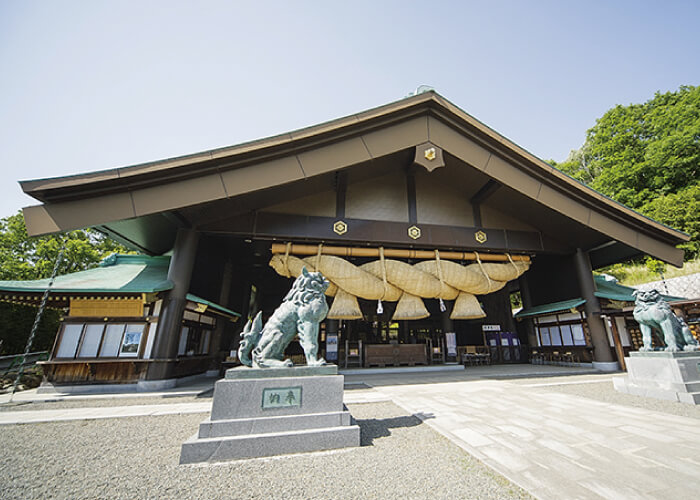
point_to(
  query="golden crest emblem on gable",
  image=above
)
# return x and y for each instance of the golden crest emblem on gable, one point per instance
(340, 227)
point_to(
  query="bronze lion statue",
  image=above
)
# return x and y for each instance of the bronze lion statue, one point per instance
(654, 314)
(301, 311)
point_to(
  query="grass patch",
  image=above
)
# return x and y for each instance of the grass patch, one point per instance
(637, 274)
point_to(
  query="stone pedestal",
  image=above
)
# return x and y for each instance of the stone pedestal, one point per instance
(273, 411)
(673, 376)
(606, 366)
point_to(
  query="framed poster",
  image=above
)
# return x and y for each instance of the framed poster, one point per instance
(451, 341)
(331, 347)
(131, 341)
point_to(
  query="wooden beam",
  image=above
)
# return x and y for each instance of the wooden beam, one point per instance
(341, 187)
(411, 195)
(291, 227)
(481, 196)
(296, 249)
(177, 219)
(485, 192)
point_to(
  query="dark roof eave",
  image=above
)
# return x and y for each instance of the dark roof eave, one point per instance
(144, 174)
(179, 168)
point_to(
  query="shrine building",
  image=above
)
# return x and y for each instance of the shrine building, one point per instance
(427, 223)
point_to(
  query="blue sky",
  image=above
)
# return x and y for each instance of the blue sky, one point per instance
(90, 85)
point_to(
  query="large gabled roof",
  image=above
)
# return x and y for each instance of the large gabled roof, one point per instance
(153, 192)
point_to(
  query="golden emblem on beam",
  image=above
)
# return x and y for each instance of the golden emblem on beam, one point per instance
(480, 236)
(340, 227)
(414, 232)
(429, 156)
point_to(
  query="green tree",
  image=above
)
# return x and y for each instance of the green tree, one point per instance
(28, 258)
(647, 156)
(680, 210)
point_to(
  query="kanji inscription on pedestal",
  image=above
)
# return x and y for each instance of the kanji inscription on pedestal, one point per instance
(283, 397)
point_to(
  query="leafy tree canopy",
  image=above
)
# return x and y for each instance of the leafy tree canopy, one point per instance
(647, 156)
(25, 258)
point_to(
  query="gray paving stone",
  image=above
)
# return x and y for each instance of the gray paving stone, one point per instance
(505, 458)
(517, 431)
(557, 445)
(606, 489)
(648, 434)
(472, 437)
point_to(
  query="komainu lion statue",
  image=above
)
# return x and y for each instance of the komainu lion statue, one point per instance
(653, 313)
(301, 311)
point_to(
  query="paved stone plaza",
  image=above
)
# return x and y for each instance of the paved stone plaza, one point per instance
(553, 433)
(558, 445)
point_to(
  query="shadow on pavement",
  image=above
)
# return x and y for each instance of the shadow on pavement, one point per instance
(373, 428)
(206, 394)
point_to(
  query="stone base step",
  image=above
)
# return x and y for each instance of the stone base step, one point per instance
(624, 384)
(402, 369)
(220, 449)
(279, 423)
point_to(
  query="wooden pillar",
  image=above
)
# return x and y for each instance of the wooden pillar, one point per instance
(221, 323)
(332, 327)
(170, 319)
(619, 350)
(527, 303)
(447, 324)
(599, 336)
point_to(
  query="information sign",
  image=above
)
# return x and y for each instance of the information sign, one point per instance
(331, 347)
(451, 340)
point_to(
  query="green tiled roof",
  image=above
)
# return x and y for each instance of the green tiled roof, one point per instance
(116, 273)
(611, 290)
(208, 303)
(552, 307)
(607, 289)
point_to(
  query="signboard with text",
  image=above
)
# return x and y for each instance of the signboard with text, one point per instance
(490, 328)
(451, 341)
(331, 347)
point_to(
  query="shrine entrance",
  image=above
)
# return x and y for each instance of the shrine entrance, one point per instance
(436, 217)
(408, 306)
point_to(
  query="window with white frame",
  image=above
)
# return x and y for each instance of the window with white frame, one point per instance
(560, 330)
(194, 340)
(195, 334)
(100, 340)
